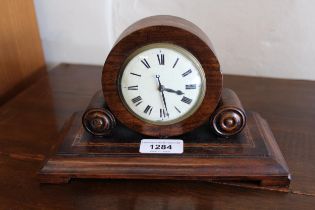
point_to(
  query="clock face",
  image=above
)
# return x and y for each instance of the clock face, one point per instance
(162, 84)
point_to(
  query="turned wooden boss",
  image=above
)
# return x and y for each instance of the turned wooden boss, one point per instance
(162, 29)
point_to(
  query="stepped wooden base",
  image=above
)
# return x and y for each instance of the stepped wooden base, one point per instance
(253, 156)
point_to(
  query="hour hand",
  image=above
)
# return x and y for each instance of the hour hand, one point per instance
(178, 92)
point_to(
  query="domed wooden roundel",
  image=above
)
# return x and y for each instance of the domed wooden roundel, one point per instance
(162, 77)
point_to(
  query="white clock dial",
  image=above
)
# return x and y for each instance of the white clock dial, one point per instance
(162, 84)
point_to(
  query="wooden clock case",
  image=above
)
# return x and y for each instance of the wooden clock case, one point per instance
(251, 158)
(162, 29)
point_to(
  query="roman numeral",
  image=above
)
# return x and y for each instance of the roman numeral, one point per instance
(145, 63)
(135, 87)
(177, 109)
(189, 87)
(186, 100)
(163, 113)
(138, 75)
(175, 62)
(148, 110)
(161, 59)
(137, 100)
(186, 73)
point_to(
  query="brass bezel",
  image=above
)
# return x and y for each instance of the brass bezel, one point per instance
(178, 49)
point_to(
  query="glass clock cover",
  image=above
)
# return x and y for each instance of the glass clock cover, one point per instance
(162, 84)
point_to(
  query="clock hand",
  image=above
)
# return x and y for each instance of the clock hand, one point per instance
(164, 103)
(162, 92)
(158, 79)
(178, 92)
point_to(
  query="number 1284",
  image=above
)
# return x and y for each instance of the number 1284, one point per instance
(160, 146)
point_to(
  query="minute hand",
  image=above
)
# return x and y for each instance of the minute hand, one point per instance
(178, 92)
(161, 89)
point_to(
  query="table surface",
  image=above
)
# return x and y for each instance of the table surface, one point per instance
(30, 122)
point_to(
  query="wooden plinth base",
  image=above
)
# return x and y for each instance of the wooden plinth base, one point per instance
(253, 156)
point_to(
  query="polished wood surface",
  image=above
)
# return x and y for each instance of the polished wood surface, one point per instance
(21, 55)
(97, 120)
(162, 29)
(229, 118)
(30, 122)
(253, 156)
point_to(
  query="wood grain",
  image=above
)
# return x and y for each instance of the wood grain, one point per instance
(21, 55)
(229, 117)
(162, 29)
(253, 156)
(30, 122)
(97, 119)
